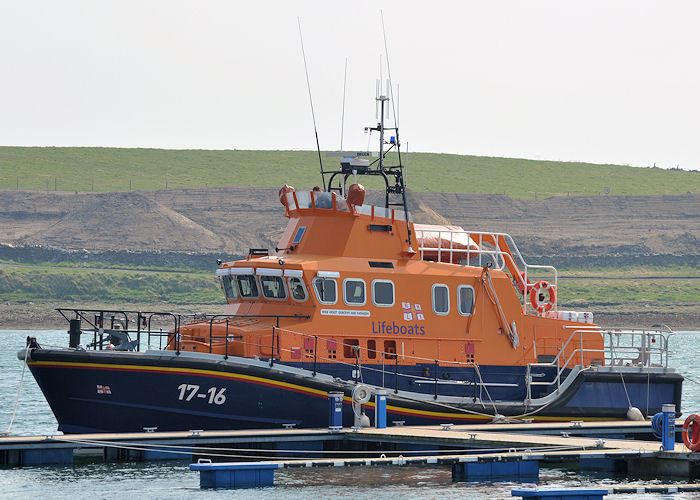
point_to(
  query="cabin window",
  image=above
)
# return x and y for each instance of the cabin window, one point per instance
(248, 286)
(383, 293)
(273, 287)
(297, 289)
(326, 290)
(354, 292)
(390, 349)
(323, 199)
(299, 235)
(229, 288)
(332, 347)
(349, 346)
(465, 297)
(372, 349)
(441, 299)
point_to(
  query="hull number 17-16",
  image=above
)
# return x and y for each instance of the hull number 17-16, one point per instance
(211, 395)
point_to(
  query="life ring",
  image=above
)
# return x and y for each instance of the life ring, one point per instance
(537, 298)
(691, 432)
(519, 283)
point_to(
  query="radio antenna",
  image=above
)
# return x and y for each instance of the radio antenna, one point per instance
(396, 128)
(311, 102)
(391, 87)
(342, 116)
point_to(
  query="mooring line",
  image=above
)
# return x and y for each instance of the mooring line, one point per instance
(690, 379)
(19, 392)
(196, 450)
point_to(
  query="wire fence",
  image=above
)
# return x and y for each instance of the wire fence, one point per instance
(97, 184)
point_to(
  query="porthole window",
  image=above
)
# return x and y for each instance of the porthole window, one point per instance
(354, 292)
(441, 299)
(297, 289)
(383, 293)
(326, 290)
(372, 349)
(350, 346)
(389, 349)
(273, 287)
(465, 300)
(248, 286)
(230, 289)
(298, 235)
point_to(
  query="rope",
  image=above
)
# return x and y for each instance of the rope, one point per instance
(19, 391)
(513, 418)
(648, 382)
(493, 297)
(629, 403)
(691, 380)
(255, 452)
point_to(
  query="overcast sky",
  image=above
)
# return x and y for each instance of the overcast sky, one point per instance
(601, 81)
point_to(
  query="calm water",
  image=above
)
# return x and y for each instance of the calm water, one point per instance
(174, 479)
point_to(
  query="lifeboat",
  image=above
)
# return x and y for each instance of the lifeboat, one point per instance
(446, 320)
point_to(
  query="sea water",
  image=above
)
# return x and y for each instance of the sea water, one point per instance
(173, 479)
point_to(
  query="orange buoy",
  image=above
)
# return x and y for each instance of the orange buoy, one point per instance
(691, 432)
(283, 193)
(537, 297)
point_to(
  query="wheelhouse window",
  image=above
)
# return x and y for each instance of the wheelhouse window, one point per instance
(248, 286)
(354, 292)
(297, 289)
(441, 299)
(273, 287)
(383, 293)
(230, 288)
(465, 298)
(326, 290)
(298, 235)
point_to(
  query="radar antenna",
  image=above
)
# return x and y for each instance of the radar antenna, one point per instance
(357, 163)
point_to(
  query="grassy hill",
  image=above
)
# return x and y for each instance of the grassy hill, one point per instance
(120, 169)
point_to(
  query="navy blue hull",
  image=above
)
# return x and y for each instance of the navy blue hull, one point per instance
(126, 392)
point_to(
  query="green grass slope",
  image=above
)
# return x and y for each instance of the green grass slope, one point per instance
(121, 169)
(41, 284)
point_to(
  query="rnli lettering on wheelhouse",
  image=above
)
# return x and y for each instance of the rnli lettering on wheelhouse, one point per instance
(385, 327)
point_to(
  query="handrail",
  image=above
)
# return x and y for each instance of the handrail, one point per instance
(613, 355)
(504, 254)
(652, 346)
(146, 318)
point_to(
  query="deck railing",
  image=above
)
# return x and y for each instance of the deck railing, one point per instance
(107, 327)
(623, 347)
(498, 250)
(631, 347)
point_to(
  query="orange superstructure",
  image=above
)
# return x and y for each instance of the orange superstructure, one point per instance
(383, 295)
